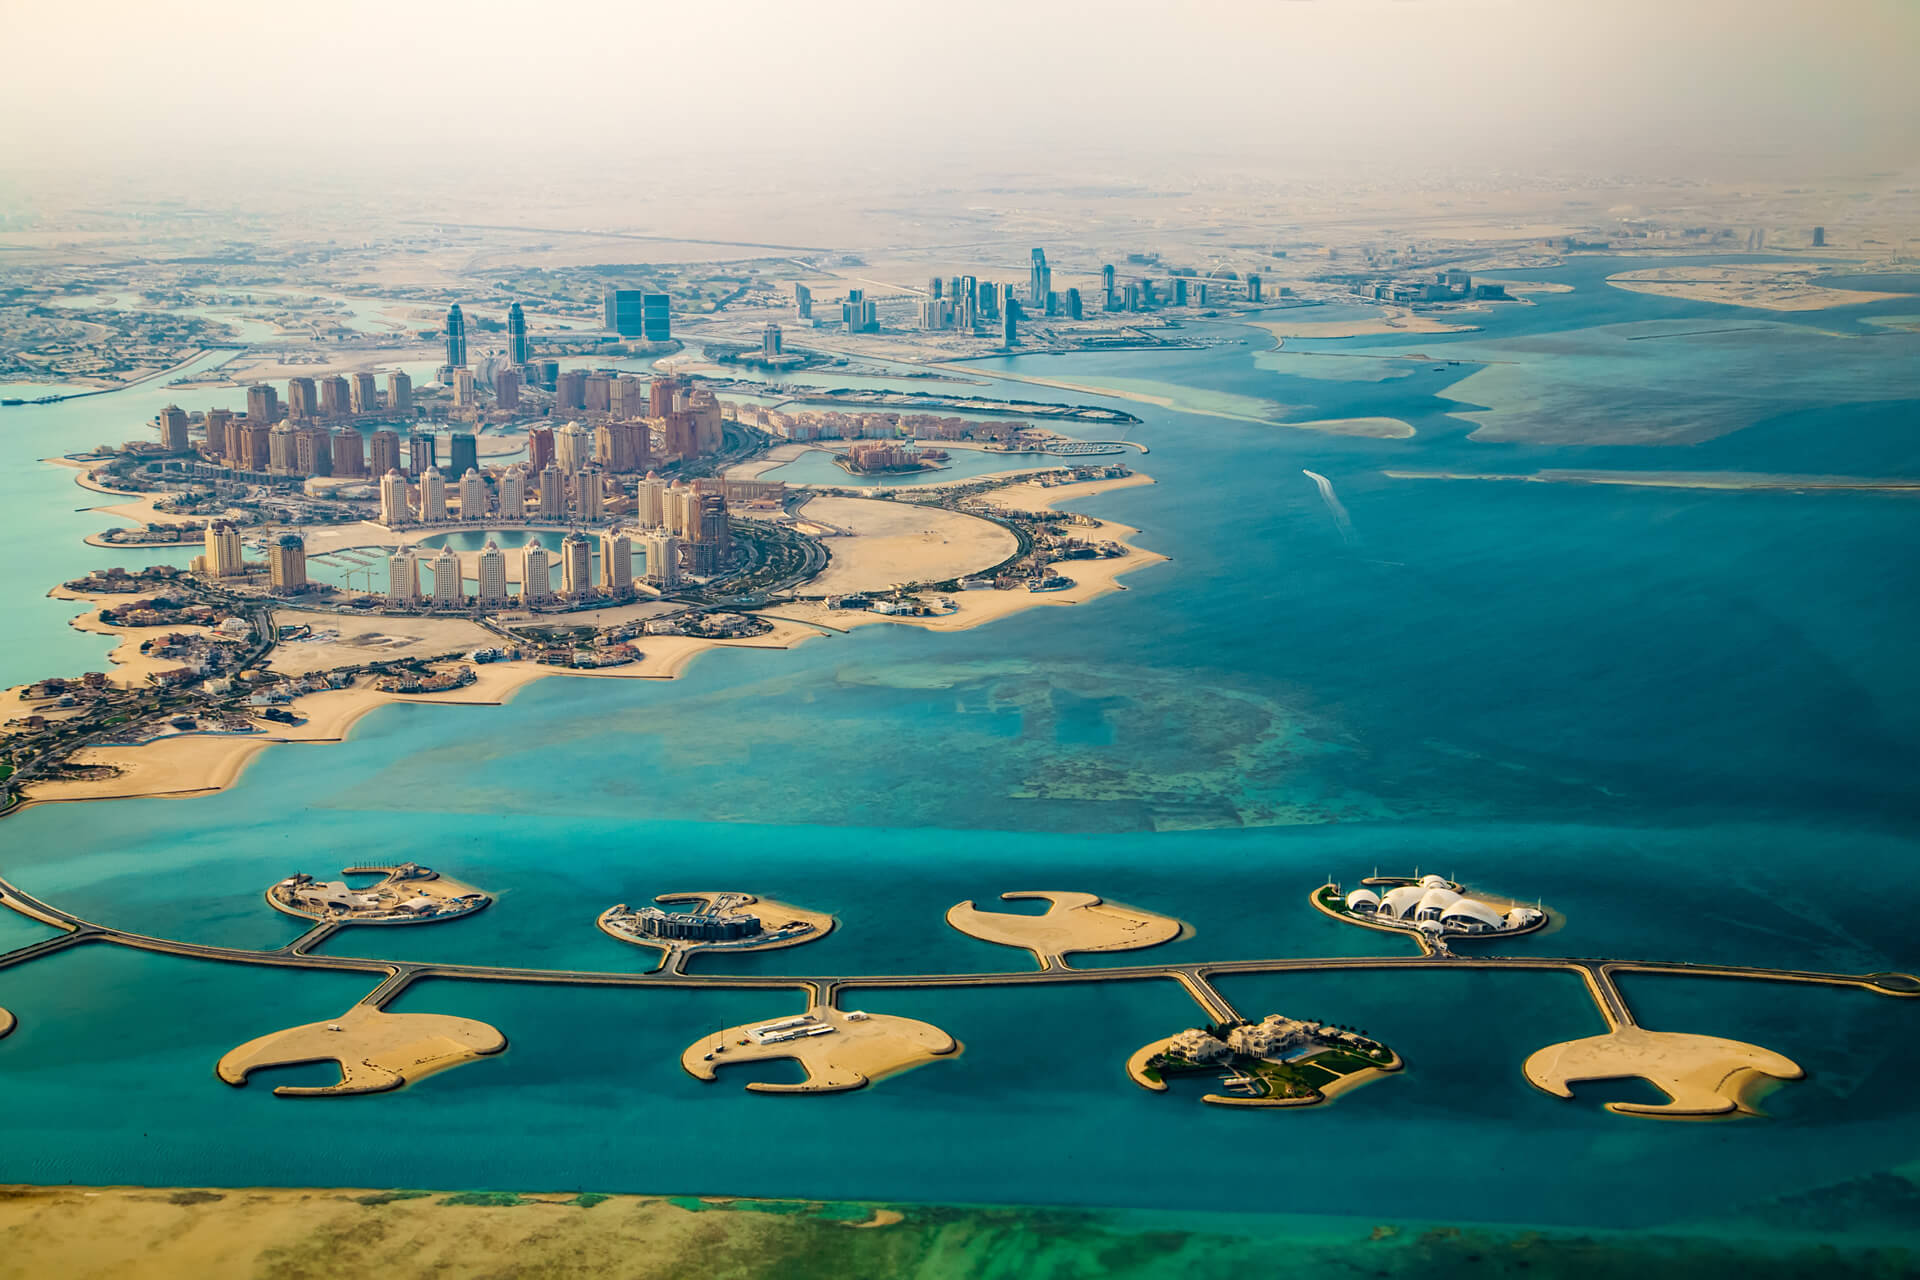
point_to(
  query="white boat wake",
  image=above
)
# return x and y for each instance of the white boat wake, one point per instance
(1327, 495)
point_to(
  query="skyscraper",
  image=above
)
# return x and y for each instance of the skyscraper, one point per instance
(1253, 287)
(506, 389)
(493, 575)
(255, 447)
(1009, 315)
(349, 453)
(597, 393)
(616, 563)
(399, 393)
(383, 453)
(570, 389)
(287, 563)
(519, 348)
(649, 502)
(661, 393)
(422, 453)
(312, 452)
(540, 448)
(393, 500)
(403, 575)
(589, 505)
(1107, 301)
(621, 311)
(663, 560)
(572, 446)
(219, 422)
(173, 429)
(333, 397)
(223, 550)
(433, 496)
(802, 302)
(1074, 310)
(281, 459)
(263, 404)
(365, 397)
(628, 397)
(473, 496)
(771, 342)
(302, 399)
(1179, 291)
(536, 575)
(463, 453)
(464, 395)
(513, 493)
(456, 337)
(656, 318)
(1039, 280)
(576, 566)
(449, 585)
(553, 493)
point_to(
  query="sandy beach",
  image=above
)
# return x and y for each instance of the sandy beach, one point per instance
(1073, 922)
(898, 542)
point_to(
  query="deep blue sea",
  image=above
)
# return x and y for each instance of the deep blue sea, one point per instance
(1688, 720)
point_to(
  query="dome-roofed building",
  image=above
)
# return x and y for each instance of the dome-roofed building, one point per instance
(1429, 904)
(1470, 915)
(1400, 902)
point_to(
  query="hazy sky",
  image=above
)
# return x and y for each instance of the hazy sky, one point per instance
(461, 83)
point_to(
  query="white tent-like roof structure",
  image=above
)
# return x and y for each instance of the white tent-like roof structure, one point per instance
(1401, 901)
(1474, 911)
(1363, 900)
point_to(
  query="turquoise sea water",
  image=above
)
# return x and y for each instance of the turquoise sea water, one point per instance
(1686, 720)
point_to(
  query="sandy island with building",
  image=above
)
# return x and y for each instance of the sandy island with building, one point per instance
(839, 1049)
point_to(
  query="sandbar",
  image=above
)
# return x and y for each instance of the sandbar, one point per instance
(1073, 922)
(376, 1050)
(860, 1050)
(1376, 428)
(1676, 479)
(1392, 320)
(7, 1024)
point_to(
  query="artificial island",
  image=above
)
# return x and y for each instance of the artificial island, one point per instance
(1275, 1060)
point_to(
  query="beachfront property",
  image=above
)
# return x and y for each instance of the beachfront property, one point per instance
(1430, 905)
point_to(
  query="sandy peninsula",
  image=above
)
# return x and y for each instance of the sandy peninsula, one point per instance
(1773, 286)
